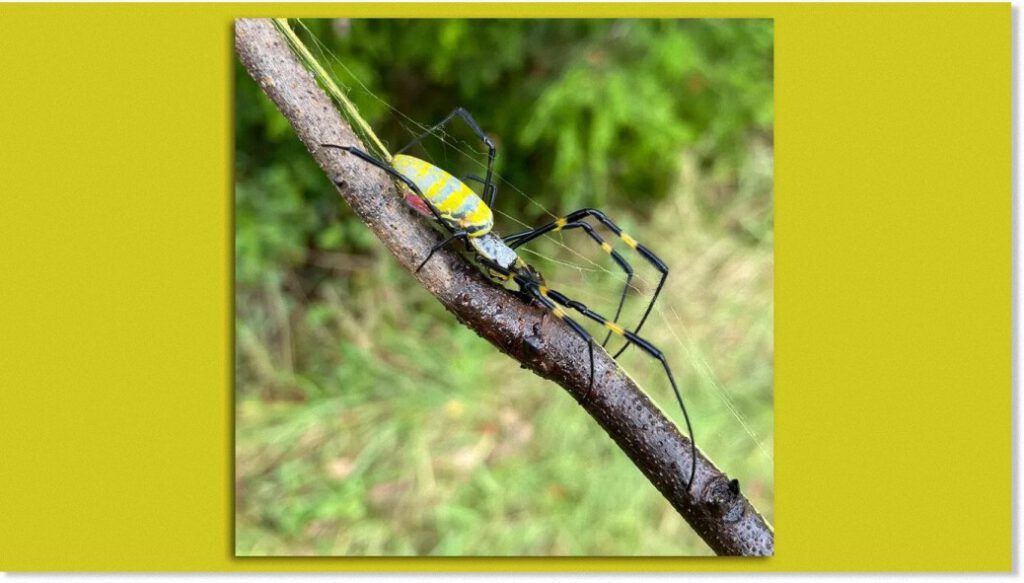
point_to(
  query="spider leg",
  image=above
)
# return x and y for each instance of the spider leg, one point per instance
(541, 296)
(518, 239)
(647, 254)
(533, 289)
(489, 188)
(412, 186)
(442, 245)
(483, 181)
(643, 345)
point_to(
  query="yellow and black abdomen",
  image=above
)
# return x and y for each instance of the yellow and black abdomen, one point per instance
(458, 205)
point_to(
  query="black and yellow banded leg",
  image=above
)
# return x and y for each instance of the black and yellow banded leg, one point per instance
(644, 252)
(642, 344)
(519, 239)
(540, 294)
(489, 188)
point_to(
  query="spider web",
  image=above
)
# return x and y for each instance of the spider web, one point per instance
(587, 270)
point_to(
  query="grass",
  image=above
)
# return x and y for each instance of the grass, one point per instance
(369, 422)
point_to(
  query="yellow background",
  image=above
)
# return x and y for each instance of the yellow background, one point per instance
(893, 257)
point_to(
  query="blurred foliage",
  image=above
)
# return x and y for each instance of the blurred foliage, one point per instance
(610, 101)
(584, 112)
(369, 421)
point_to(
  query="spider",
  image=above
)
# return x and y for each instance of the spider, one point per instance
(466, 217)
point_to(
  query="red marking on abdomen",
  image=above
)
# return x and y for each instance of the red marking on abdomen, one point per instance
(418, 205)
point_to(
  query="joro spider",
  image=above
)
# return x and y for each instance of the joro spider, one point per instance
(466, 217)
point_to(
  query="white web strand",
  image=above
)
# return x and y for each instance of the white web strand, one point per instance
(696, 356)
(448, 139)
(593, 268)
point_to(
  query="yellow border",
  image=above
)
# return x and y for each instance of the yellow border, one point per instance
(893, 287)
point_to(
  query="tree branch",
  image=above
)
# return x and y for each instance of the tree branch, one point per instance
(713, 507)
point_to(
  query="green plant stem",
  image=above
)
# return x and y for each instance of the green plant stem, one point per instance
(348, 108)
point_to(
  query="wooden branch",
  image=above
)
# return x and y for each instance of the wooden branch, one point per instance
(714, 507)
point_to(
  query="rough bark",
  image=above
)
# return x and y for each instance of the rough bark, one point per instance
(714, 507)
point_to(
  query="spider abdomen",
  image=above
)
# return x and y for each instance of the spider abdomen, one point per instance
(458, 205)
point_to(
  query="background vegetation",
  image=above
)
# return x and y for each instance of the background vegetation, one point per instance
(370, 422)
